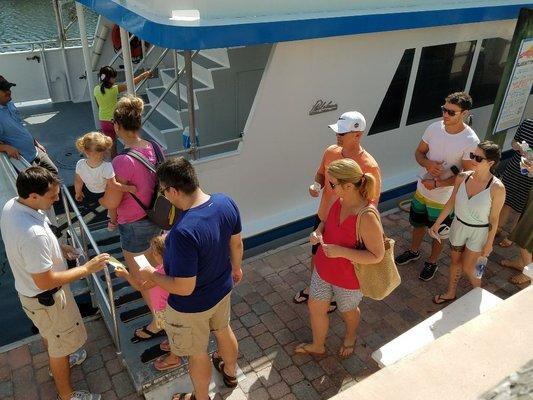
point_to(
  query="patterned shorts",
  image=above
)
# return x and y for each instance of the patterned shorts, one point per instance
(424, 212)
(347, 299)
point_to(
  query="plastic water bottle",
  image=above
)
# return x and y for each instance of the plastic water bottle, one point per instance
(187, 140)
(481, 264)
(316, 187)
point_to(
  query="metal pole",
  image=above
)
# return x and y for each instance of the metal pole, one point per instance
(87, 60)
(177, 87)
(190, 102)
(61, 37)
(126, 55)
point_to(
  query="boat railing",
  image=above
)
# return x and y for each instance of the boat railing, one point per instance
(204, 147)
(81, 240)
(39, 45)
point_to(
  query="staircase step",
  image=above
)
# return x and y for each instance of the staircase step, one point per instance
(202, 60)
(127, 298)
(134, 313)
(170, 98)
(171, 73)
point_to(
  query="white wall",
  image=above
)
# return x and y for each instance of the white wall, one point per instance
(283, 145)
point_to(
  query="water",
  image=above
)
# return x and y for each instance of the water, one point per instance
(34, 20)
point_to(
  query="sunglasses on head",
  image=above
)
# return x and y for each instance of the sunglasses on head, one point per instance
(451, 113)
(476, 157)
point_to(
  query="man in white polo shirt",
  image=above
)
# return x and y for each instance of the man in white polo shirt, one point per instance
(41, 275)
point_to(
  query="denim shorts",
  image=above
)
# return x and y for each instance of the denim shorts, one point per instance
(135, 236)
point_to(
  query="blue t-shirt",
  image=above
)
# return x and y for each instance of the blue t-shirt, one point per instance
(198, 245)
(14, 133)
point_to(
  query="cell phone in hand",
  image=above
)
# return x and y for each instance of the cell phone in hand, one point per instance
(455, 170)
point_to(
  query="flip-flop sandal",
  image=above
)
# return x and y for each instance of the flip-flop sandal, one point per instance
(438, 299)
(301, 297)
(302, 349)
(161, 365)
(183, 396)
(505, 243)
(165, 345)
(511, 264)
(332, 307)
(230, 381)
(151, 335)
(345, 348)
(520, 279)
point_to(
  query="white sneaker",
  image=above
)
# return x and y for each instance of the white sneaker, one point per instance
(83, 395)
(76, 358)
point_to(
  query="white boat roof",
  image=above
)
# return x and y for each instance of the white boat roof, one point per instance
(200, 24)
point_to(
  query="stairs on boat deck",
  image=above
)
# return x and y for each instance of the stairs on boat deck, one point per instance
(132, 313)
(168, 122)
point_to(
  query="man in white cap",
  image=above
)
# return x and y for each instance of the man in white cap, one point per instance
(349, 130)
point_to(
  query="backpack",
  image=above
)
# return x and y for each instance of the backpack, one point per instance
(160, 211)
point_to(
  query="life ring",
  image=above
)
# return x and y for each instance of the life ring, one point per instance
(135, 44)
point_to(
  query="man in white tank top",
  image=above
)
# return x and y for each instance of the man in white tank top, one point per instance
(442, 153)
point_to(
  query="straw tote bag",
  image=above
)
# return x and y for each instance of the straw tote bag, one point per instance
(378, 280)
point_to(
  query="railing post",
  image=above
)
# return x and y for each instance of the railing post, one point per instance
(126, 56)
(61, 37)
(177, 88)
(88, 63)
(190, 102)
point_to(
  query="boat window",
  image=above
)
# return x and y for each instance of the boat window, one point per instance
(390, 111)
(443, 69)
(489, 69)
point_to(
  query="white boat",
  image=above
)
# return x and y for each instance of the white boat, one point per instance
(264, 81)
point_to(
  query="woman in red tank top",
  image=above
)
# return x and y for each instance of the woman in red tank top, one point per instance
(334, 274)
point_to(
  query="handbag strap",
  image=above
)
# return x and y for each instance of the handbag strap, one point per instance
(361, 212)
(147, 163)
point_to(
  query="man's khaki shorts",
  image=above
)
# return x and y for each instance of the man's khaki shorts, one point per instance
(188, 333)
(61, 324)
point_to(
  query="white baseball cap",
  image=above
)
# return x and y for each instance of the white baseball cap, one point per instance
(351, 121)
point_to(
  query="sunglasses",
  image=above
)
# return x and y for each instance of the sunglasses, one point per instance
(342, 134)
(476, 157)
(451, 113)
(333, 185)
(163, 189)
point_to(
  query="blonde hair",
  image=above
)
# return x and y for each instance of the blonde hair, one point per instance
(128, 113)
(347, 170)
(158, 244)
(94, 141)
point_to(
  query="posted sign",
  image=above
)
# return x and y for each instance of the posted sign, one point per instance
(518, 90)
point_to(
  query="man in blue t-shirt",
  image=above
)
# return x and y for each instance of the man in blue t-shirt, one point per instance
(202, 261)
(15, 139)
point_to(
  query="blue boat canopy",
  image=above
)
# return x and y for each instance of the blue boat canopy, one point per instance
(195, 24)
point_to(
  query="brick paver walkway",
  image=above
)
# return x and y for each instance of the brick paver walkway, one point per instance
(269, 325)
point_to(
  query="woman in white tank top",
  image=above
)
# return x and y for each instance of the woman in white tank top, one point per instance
(477, 198)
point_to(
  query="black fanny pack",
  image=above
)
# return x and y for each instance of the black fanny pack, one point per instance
(472, 225)
(47, 298)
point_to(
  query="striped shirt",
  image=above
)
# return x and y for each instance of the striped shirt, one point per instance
(517, 186)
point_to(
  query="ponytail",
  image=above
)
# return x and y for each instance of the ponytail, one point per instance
(367, 186)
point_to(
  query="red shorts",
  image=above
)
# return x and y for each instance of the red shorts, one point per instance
(107, 128)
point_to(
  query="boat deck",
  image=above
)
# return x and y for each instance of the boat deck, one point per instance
(269, 325)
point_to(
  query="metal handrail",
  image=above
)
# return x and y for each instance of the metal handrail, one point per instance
(152, 69)
(145, 57)
(160, 99)
(207, 146)
(108, 302)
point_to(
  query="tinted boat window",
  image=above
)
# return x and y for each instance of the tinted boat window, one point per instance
(489, 69)
(443, 69)
(390, 111)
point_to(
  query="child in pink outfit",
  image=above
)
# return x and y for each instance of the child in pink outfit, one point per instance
(158, 300)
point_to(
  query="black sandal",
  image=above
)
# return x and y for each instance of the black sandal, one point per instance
(332, 307)
(181, 396)
(301, 297)
(438, 299)
(151, 335)
(230, 381)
